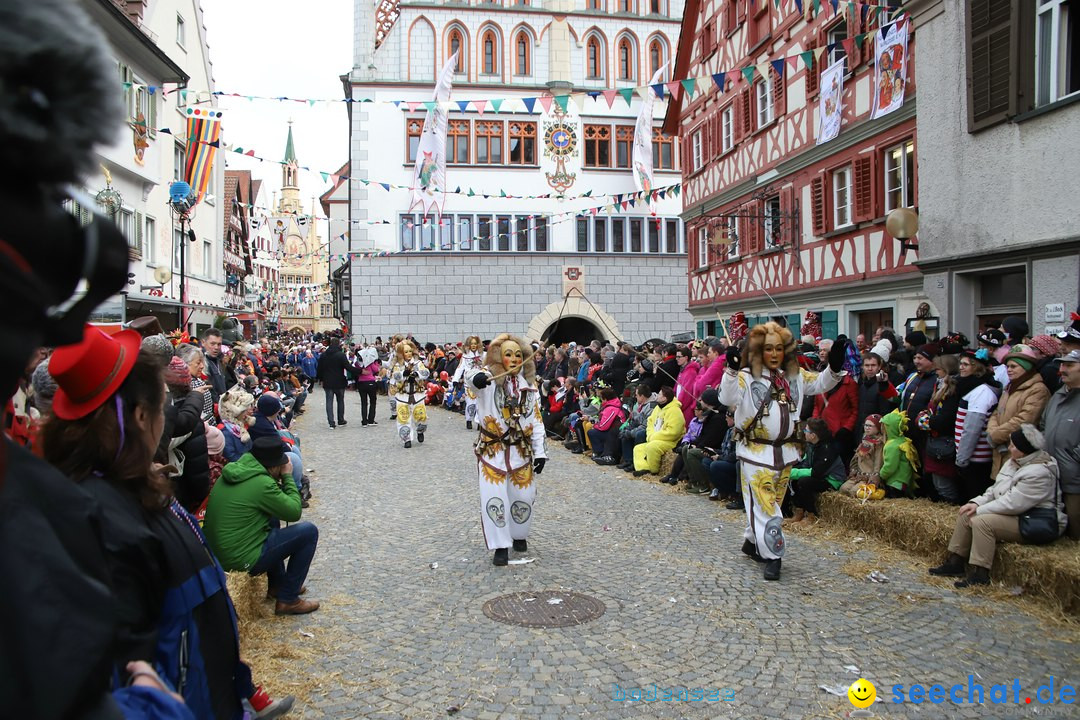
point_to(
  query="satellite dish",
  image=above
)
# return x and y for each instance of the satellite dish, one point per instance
(162, 275)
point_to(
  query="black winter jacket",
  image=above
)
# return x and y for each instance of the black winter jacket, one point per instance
(181, 418)
(332, 369)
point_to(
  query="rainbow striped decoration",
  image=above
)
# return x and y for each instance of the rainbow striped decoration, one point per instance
(203, 133)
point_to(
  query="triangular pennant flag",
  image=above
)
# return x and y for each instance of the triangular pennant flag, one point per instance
(480, 105)
(250, 153)
(311, 103)
(325, 176)
(334, 178)
(817, 7)
(430, 105)
(798, 5)
(385, 186)
(412, 105)
(849, 46)
(818, 52)
(704, 83)
(658, 88)
(561, 101)
(397, 103)
(835, 4)
(807, 58)
(778, 68)
(545, 102)
(689, 85)
(609, 95)
(151, 89)
(627, 95)
(496, 104)
(763, 69)
(748, 73)
(529, 103)
(720, 80)
(462, 104)
(674, 87)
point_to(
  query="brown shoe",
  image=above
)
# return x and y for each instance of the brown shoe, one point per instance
(271, 593)
(300, 607)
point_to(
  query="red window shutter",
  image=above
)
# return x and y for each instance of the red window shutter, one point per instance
(812, 73)
(741, 11)
(817, 204)
(746, 120)
(787, 209)
(864, 188)
(729, 17)
(779, 94)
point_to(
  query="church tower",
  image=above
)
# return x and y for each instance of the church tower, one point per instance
(290, 181)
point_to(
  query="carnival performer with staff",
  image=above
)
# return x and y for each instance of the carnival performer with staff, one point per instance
(408, 386)
(510, 451)
(766, 395)
(471, 359)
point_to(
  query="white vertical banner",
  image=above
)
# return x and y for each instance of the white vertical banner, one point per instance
(890, 69)
(830, 102)
(643, 137)
(429, 176)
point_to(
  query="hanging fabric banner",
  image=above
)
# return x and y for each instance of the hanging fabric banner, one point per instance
(203, 136)
(643, 137)
(279, 227)
(890, 69)
(830, 103)
(429, 176)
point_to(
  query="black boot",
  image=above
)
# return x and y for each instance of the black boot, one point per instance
(952, 567)
(408, 444)
(521, 546)
(772, 569)
(750, 549)
(735, 505)
(419, 437)
(978, 576)
(502, 556)
(305, 487)
(468, 424)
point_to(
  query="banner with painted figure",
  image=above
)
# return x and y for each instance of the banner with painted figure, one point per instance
(429, 175)
(643, 138)
(890, 68)
(830, 102)
(279, 229)
(203, 137)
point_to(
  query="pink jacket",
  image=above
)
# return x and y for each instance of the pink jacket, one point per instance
(710, 376)
(685, 394)
(369, 373)
(611, 412)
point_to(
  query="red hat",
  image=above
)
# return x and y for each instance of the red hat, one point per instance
(89, 372)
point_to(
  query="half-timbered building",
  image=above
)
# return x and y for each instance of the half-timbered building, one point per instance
(776, 223)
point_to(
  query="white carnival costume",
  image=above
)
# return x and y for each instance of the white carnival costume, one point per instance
(510, 449)
(408, 386)
(769, 442)
(472, 359)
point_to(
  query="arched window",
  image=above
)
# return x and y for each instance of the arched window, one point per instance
(657, 56)
(523, 54)
(626, 6)
(658, 7)
(594, 58)
(627, 61)
(456, 44)
(489, 46)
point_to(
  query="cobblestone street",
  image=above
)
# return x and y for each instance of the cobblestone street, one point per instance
(684, 608)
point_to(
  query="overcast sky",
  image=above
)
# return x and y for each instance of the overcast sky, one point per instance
(282, 48)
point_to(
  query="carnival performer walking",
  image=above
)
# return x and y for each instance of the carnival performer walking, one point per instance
(471, 360)
(510, 450)
(408, 386)
(766, 395)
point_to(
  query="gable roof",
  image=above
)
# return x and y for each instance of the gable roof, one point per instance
(687, 35)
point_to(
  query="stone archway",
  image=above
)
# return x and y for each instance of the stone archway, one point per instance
(575, 308)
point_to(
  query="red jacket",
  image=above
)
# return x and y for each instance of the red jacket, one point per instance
(839, 407)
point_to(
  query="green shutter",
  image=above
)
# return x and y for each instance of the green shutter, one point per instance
(830, 324)
(794, 323)
(700, 330)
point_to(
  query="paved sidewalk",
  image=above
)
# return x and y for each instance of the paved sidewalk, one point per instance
(685, 609)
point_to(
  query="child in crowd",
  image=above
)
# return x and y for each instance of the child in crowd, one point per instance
(865, 470)
(900, 466)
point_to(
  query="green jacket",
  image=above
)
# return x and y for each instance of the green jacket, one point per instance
(239, 510)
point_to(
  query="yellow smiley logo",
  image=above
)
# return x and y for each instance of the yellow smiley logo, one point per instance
(862, 693)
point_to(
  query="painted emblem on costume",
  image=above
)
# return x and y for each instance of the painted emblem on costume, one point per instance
(760, 392)
(404, 433)
(492, 475)
(766, 493)
(470, 412)
(520, 512)
(496, 512)
(774, 536)
(522, 477)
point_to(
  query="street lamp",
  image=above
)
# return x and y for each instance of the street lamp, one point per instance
(903, 224)
(109, 199)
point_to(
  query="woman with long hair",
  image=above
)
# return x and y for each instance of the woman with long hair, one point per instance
(108, 418)
(939, 422)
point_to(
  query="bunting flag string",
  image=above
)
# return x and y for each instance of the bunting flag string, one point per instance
(885, 14)
(469, 192)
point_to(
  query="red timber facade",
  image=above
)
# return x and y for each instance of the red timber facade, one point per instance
(776, 224)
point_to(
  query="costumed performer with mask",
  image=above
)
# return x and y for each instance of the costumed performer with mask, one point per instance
(510, 449)
(408, 385)
(472, 359)
(766, 395)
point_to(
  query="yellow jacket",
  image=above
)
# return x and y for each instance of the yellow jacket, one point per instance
(666, 424)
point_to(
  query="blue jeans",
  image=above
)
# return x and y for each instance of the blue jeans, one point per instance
(723, 475)
(297, 544)
(299, 398)
(297, 467)
(637, 435)
(604, 442)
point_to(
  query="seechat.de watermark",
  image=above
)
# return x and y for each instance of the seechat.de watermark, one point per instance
(656, 693)
(1055, 692)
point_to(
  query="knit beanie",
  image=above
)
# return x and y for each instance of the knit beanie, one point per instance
(1015, 327)
(1028, 439)
(159, 347)
(928, 351)
(883, 349)
(1045, 345)
(177, 373)
(1023, 356)
(915, 338)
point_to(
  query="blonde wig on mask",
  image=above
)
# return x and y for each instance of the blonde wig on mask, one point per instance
(468, 340)
(493, 359)
(232, 405)
(399, 350)
(755, 349)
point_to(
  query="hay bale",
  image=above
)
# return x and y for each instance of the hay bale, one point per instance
(249, 597)
(1049, 573)
(667, 460)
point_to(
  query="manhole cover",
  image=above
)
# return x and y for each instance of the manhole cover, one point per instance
(544, 608)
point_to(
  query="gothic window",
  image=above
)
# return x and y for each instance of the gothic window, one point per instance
(523, 54)
(627, 60)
